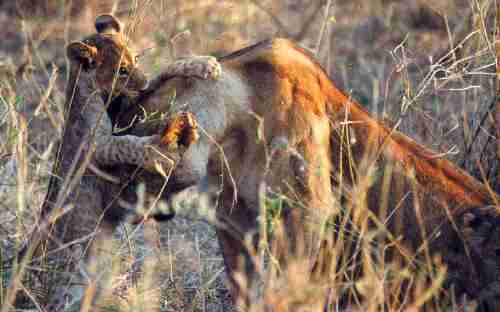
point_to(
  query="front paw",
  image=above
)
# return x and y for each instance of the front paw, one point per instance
(167, 149)
(180, 131)
(204, 67)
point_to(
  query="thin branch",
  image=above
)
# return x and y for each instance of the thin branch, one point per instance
(283, 28)
(324, 26)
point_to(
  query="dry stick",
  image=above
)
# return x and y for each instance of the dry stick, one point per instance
(283, 28)
(301, 34)
(497, 99)
(44, 105)
(478, 129)
(20, 154)
(324, 26)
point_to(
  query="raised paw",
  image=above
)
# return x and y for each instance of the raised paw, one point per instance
(166, 149)
(180, 131)
(205, 67)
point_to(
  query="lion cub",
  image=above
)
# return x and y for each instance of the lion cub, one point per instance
(116, 66)
(102, 62)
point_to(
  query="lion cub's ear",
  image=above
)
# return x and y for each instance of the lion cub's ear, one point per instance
(108, 24)
(82, 53)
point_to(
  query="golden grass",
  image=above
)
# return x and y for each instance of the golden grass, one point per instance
(436, 83)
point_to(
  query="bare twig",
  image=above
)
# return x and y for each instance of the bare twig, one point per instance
(324, 26)
(497, 99)
(283, 28)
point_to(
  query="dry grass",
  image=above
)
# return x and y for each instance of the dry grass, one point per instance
(427, 66)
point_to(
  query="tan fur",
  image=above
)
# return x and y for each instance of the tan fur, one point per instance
(273, 123)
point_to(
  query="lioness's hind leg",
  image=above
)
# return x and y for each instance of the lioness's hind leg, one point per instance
(237, 236)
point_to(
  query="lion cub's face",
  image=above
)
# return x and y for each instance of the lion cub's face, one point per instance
(107, 52)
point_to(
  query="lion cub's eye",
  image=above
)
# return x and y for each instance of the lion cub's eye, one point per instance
(123, 71)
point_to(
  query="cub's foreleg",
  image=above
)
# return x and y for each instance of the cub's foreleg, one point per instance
(147, 152)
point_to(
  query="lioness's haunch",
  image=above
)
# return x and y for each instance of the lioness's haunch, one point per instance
(273, 124)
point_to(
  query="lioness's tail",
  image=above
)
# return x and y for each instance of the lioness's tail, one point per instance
(432, 170)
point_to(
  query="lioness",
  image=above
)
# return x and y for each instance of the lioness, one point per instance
(273, 124)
